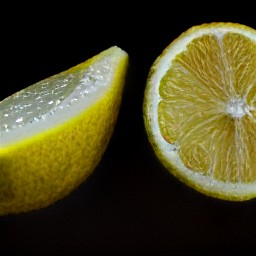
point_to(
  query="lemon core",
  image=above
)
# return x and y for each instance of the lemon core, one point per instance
(237, 108)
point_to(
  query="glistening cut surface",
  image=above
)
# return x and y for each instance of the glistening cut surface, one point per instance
(207, 107)
(43, 99)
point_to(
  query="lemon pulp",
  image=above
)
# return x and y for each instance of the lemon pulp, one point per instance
(207, 107)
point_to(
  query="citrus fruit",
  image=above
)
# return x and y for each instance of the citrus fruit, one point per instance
(54, 132)
(199, 109)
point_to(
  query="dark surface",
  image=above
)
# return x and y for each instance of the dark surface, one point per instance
(130, 205)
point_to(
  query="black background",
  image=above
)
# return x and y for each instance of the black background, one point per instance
(130, 205)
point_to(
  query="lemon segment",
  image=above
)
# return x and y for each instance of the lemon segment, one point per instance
(49, 152)
(199, 109)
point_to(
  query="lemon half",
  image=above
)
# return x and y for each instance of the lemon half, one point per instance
(200, 109)
(54, 132)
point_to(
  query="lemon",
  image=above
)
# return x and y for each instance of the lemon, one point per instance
(199, 109)
(54, 132)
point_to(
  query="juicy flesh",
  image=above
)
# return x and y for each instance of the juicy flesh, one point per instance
(45, 97)
(208, 107)
(53, 100)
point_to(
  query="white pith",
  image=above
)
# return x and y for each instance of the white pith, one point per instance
(169, 151)
(237, 108)
(77, 101)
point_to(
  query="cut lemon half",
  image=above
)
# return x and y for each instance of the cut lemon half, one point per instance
(200, 109)
(54, 132)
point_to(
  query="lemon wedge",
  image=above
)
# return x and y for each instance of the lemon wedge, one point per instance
(53, 133)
